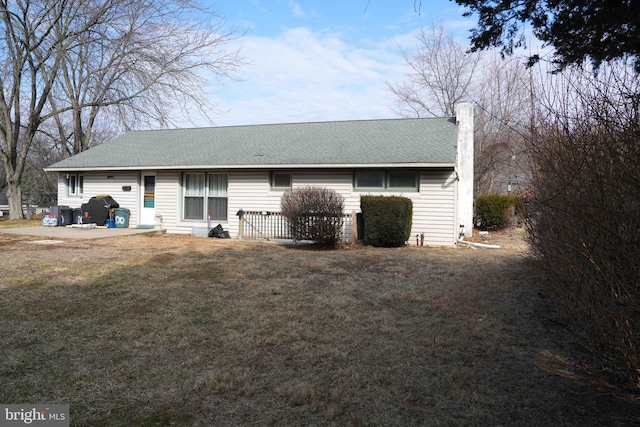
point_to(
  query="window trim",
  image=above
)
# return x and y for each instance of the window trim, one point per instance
(204, 194)
(369, 171)
(210, 194)
(416, 180)
(272, 180)
(77, 190)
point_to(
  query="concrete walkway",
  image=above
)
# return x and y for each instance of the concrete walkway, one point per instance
(63, 233)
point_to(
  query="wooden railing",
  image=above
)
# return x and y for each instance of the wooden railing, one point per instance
(273, 225)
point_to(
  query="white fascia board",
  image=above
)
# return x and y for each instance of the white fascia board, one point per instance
(269, 166)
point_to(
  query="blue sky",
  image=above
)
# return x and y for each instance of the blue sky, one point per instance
(322, 60)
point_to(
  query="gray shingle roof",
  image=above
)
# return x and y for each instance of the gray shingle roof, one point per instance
(430, 141)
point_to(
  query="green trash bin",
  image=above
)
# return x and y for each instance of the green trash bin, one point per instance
(122, 218)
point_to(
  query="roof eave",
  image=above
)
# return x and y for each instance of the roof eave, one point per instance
(265, 166)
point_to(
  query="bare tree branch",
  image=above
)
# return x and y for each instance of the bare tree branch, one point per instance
(501, 125)
(76, 63)
(440, 75)
(34, 35)
(141, 68)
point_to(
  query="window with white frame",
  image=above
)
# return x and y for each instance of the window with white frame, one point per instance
(403, 180)
(75, 184)
(217, 196)
(280, 180)
(369, 179)
(204, 195)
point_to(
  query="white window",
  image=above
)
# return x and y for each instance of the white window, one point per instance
(404, 180)
(75, 184)
(217, 196)
(369, 179)
(205, 194)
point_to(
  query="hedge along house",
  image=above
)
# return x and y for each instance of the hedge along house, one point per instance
(180, 179)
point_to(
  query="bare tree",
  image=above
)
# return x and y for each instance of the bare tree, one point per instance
(34, 36)
(501, 125)
(441, 73)
(69, 61)
(149, 62)
(40, 187)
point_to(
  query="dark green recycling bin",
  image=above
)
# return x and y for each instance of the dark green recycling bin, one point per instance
(122, 217)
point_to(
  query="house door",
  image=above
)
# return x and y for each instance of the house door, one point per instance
(148, 202)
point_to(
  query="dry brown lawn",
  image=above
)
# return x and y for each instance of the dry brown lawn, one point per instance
(176, 330)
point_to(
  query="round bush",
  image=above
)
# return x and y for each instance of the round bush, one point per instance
(387, 220)
(492, 211)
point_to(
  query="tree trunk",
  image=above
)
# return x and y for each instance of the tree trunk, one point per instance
(14, 194)
(13, 169)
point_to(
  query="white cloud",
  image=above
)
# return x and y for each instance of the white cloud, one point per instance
(302, 75)
(296, 10)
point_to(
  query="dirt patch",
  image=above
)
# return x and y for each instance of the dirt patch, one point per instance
(178, 330)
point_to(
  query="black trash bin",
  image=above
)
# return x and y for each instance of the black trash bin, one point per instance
(66, 216)
(57, 212)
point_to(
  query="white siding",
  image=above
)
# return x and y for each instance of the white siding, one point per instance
(339, 180)
(433, 206)
(434, 211)
(168, 201)
(251, 186)
(109, 183)
(250, 191)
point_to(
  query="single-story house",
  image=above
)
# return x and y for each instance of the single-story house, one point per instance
(187, 179)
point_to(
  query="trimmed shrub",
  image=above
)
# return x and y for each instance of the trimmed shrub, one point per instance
(493, 211)
(387, 220)
(314, 213)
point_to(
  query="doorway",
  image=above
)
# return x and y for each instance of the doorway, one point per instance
(148, 202)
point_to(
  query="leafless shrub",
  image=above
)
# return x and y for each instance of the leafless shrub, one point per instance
(584, 209)
(314, 213)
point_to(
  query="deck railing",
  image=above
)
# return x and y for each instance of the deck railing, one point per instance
(274, 225)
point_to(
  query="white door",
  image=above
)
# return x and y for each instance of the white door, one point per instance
(148, 202)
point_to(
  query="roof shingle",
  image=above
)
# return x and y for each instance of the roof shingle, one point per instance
(430, 141)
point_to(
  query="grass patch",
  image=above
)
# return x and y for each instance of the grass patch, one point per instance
(174, 330)
(19, 223)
